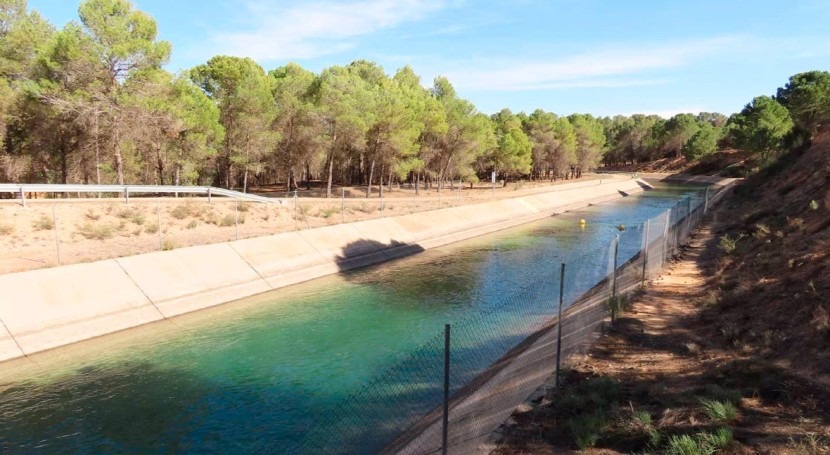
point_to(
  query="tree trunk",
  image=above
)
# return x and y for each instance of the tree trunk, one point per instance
(417, 183)
(307, 176)
(371, 175)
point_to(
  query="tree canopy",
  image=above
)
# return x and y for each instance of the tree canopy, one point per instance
(91, 102)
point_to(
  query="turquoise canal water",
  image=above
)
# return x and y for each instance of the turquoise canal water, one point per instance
(256, 376)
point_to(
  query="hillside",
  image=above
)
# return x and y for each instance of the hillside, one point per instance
(727, 352)
(772, 280)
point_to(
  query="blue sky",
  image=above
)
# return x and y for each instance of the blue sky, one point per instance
(600, 57)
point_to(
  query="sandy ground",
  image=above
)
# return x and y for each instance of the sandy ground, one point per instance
(49, 232)
(663, 358)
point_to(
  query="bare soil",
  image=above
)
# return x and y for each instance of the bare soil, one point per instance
(665, 358)
(49, 232)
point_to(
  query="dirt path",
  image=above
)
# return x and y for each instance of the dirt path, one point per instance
(662, 361)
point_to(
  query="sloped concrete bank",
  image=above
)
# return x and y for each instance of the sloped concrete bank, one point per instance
(47, 308)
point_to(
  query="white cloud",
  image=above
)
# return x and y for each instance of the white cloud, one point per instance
(311, 29)
(612, 66)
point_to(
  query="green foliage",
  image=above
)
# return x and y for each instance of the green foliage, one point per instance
(728, 244)
(703, 143)
(587, 429)
(720, 411)
(700, 444)
(761, 126)
(807, 96)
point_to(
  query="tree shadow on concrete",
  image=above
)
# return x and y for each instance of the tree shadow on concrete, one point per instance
(365, 252)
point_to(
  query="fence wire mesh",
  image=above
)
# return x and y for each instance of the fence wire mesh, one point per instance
(504, 353)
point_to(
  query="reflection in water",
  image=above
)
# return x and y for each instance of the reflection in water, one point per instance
(256, 378)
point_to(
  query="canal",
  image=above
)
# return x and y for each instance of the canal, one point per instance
(256, 376)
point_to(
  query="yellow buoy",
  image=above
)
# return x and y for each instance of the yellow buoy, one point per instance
(621, 227)
(582, 222)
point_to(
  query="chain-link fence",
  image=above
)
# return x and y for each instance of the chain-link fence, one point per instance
(454, 391)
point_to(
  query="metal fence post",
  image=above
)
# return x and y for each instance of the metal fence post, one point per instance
(343, 204)
(614, 285)
(126, 196)
(22, 197)
(158, 222)
(295, 209)
(706, 201)
(208, 193)
(666, 237)
(236, 219)
(688, 217)
(446, 420)
(559, 325)
(645, 250)
(57, 241)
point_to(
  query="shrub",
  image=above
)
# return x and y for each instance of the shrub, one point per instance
(327, 212)
(180, 212)
(99, 231)
(168, 245)
(44, 223)
(587, 429)
(192, 224)
(6, 229)
(133, 215)
(719, 411)
(91, 215)
(227, 220)
(727, 244)
(151, 228)
(644, 417)
(245, 206)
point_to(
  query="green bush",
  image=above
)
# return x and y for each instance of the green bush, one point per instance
(587, 429)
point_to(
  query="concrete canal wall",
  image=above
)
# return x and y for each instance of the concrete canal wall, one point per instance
(47, 308)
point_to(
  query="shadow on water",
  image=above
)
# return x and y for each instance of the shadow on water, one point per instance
(116, 410)
(363, 252)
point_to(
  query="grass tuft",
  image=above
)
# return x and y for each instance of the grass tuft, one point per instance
(44, 223)
(720, 411)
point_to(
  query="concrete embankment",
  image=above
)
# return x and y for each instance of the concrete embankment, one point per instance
(47, 308)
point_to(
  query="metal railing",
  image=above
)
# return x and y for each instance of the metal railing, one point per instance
(24, 188)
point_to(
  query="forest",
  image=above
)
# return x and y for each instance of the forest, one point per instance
(92, 103)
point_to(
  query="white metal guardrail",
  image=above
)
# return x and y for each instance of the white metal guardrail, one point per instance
(22, 189)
